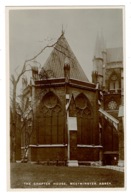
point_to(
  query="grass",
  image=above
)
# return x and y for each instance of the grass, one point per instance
(25, 175)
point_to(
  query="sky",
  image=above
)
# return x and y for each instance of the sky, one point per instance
(31, 30)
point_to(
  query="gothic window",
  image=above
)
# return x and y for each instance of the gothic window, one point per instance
(112, 105)
(51, 121)
(114, 83)
(84, 119)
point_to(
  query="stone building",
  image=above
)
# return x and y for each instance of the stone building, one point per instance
(71, 120)
(108, 72)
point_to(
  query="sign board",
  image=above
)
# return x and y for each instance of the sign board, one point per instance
(72, 123)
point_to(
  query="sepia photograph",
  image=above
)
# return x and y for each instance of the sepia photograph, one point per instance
(66, 97)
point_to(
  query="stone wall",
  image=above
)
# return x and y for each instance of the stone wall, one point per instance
(87, 154)
(53, 153)
(39, 154)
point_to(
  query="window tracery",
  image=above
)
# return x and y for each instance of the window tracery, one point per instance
(114, 83)
(52, 120)
(84, 119)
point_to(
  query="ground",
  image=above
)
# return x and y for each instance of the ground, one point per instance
(26, 175)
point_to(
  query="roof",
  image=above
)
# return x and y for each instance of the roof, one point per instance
(115, 54)
(109, 117)
(57, 58)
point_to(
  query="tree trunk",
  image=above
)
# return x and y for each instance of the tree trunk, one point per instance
(13, 137)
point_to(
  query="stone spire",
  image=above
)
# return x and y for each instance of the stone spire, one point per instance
(103, 43)
(98, 48)
(67, 69)
(99, 60)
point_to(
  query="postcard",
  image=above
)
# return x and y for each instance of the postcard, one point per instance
(66, 97)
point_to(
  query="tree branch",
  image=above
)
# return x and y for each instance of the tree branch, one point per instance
(48, 46)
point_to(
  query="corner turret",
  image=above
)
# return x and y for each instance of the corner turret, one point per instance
(99, 61)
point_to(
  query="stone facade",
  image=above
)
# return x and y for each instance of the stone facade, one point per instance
(96, 139)
(108, 72)
(49, 136)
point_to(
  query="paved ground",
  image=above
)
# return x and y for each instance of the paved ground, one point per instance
(117, 168)
(26, 175)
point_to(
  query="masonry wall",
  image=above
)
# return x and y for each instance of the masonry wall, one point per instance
(88, 154)
(53, 153)
(38, 154)
(93, 98)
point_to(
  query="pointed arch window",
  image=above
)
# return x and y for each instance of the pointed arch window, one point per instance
(114, 83)
(51, 121)
(84, 119)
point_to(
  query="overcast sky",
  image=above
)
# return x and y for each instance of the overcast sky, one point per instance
(31, 30)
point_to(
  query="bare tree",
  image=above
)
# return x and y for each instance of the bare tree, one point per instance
(27, 67)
